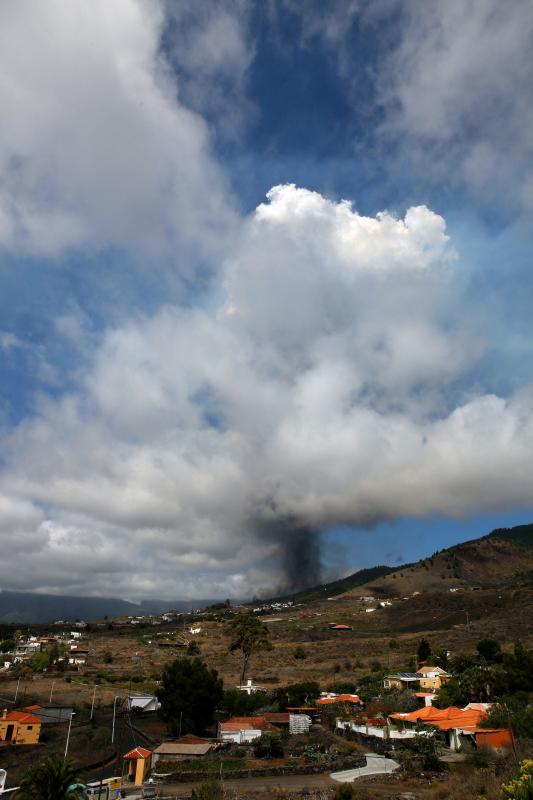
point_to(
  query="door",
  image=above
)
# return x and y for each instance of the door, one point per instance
(9, 733)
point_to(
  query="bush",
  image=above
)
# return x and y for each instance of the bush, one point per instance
(346, 791)
(268, 747)
(107, 658)
(209, 790)
(240, 704)
(299, 653)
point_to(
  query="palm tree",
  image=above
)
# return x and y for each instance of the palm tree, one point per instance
(52, 779)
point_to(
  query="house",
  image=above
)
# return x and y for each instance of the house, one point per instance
(458, 725)
(143, 702)
(19, 727)
(186, 748)
(77, 656)
(251, 688)
(139, 763)
(432, 678)
(242, 730)
(401, 680)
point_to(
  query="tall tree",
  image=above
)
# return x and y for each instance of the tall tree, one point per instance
(248, 634)
(424, 650)
(52, 779)
(189, 695)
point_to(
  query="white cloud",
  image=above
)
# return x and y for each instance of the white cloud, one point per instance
(96, 150)
(325, 382)
(458, 88)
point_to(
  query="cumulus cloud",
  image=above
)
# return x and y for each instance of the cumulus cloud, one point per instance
(96, 149)
(326, 381)
(458, 88)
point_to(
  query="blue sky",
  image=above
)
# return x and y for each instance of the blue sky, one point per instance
(185, 362)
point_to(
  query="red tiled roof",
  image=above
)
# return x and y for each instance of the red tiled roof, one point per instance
(139, 752)
(22, 717)
(33, 708)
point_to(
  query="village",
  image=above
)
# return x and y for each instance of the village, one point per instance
(158, 705)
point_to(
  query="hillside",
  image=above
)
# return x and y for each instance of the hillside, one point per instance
(502, 558)
(341, 585)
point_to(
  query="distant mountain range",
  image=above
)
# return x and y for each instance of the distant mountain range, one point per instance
(501, 558)
(28, 607)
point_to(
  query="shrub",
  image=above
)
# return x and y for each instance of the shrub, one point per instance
(346, 791)
(299, 653)
(209, 790)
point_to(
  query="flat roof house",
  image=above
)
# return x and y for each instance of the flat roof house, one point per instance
(401, 680)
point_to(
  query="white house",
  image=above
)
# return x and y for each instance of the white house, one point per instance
(143, 702)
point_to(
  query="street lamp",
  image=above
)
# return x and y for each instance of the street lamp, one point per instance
(117, 697)
(96, 685)
(68, 733)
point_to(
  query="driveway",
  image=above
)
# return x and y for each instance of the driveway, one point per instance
(375, 765)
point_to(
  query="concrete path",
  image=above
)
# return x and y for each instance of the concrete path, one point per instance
(375, 765)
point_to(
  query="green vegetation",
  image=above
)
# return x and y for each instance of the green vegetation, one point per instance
(240, 704)
(424, 650)
(107, 657)
(209, 790)
(268, 747)
(189, 694)
(299, 653)
(51, 779)
(248, 635)
(296, 695)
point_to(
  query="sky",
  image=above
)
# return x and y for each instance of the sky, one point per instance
(265, 289)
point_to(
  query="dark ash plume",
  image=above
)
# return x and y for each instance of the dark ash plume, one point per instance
(299, 546)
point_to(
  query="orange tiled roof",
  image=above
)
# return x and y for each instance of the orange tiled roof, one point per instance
(444, 718)
(139, 752)
(22, 717)
(341, 698)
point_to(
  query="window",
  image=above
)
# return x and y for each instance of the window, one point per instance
(30, 727)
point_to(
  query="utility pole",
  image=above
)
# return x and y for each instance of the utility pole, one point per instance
(51, 691)
(16, 691)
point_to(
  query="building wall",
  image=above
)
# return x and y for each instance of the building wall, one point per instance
(22, 734)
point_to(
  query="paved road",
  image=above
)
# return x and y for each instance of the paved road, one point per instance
(241, 785)
(375, 765)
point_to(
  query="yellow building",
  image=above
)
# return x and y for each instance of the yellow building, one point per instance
(19, 727)
(140, 762)
(432, 678)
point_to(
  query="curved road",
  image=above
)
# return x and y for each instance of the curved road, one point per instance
(375, 765)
